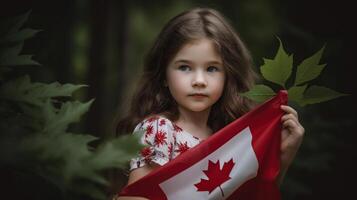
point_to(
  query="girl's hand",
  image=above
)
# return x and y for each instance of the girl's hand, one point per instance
(291, 137)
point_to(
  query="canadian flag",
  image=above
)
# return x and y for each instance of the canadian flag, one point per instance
(240, 161)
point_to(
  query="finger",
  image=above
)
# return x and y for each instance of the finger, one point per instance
(289, 109)
(294, 127)
(289, 116)
(290, 124)
(284, 135)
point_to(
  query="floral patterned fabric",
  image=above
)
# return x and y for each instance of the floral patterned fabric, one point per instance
(165, 141)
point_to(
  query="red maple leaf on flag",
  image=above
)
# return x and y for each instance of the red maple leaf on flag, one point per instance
(216, 176)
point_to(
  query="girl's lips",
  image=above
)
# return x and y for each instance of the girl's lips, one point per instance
(198, 95)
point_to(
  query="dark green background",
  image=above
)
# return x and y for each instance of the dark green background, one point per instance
(102, 43)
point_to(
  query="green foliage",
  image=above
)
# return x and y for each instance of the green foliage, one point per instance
(12, 40)
(317, 94)
(21, 89)
(260, 93)
(279, 70)
(35, 121)
(309, 69)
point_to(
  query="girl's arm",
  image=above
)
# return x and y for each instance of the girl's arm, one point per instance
(291, 138)
(135, 175)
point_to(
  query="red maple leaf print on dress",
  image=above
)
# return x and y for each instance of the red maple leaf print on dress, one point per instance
(146, 151)
(151, 119)
(216, 176)
(169, 148)
(160, 138)
(162, 122)
(182, 147)
(149, 130)
(177, 128)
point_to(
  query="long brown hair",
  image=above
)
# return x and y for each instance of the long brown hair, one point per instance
(152, 97)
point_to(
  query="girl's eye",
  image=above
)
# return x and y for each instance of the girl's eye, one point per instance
(212, 69)
(184, 68)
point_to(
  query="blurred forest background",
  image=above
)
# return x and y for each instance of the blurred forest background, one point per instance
(102, 43)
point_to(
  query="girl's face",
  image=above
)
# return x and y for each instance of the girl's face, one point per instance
(195, 76)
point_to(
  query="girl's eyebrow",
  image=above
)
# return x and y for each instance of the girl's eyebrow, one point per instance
(215, 62)
(188, 61)
(183, 61)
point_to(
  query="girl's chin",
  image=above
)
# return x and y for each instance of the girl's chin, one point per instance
(198, 108)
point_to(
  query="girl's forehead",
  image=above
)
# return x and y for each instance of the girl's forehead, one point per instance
(200, 49)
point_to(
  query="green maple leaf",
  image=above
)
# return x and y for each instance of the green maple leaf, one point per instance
(9, 56)
(22, 90)
(279, 69)
(296, 93)
(116, 152)
(11, 32)
(11, 42)
(259, 93)
(19, 36)
(317, 94)
(57, 120)
(12, 25)
(309, 69)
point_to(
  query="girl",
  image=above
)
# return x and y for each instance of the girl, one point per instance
(190, 88)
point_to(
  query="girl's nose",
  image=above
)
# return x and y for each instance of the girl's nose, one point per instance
(199, 80)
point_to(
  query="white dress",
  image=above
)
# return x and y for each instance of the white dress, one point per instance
(164, 141)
